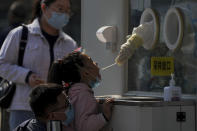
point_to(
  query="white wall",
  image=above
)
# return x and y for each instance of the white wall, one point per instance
(97, 13)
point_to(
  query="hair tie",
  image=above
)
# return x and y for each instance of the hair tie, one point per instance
(66, 85)
(78, 49)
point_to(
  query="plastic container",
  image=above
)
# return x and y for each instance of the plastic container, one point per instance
(172, 92)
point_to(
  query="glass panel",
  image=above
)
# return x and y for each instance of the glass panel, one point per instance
(139, 65)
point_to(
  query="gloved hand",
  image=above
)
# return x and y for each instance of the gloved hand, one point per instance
(143, 33)
(128, 49)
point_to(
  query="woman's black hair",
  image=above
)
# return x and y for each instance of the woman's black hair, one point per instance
(67, 69)
(37, 12)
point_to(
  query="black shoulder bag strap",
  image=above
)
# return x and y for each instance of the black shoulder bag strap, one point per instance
(5, 101)
(22, 45)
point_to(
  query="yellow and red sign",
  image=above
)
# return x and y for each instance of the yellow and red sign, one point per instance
(162, 66)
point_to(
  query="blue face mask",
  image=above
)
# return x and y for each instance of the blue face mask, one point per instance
(58, 20)
(69, 115)
(94, 84)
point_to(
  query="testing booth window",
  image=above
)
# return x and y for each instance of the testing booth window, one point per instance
(149, 70)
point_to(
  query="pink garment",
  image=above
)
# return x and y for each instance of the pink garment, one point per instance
(87, 117)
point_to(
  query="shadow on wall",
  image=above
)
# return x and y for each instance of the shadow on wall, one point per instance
(73, 28)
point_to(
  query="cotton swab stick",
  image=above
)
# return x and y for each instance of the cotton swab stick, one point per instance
(104, 68)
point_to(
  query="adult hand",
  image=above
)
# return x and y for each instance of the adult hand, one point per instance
(107, 108)
(35, 80)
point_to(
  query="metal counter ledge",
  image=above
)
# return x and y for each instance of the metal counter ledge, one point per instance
(145, 101)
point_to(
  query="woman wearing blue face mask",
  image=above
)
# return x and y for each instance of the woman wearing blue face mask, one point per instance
(46, 42)
(79, 74)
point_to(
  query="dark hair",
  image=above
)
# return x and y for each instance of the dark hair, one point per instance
(67, 69)
(44, 96)
(37, 12)
(18, 12)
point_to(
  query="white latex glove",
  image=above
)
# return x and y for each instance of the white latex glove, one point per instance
(143, 33)
(128, 48)
(146, 32)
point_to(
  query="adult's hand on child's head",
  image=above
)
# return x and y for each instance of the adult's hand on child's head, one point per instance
(107, 108)
(35, 80)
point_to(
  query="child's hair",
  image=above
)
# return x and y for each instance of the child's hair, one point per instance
(67, 69)
(44, 96)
